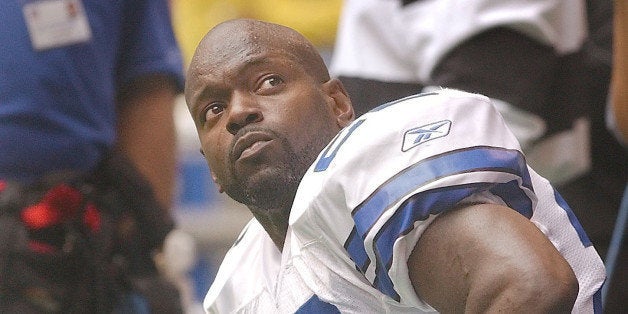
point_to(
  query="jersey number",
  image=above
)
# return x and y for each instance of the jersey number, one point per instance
(334, 146)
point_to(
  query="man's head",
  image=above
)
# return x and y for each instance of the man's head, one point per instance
(264, 107)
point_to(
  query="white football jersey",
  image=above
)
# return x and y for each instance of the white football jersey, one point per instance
(362, 206)
(383, 40)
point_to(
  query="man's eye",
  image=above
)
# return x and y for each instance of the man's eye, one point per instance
(270, 81)
(212, 110)
(216, 108)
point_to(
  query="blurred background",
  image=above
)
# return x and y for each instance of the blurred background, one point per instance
(210, 222)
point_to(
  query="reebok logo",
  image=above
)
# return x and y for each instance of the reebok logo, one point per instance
(422, 134)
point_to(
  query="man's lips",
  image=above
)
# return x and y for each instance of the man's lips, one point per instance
(249, 144)
(253, 149)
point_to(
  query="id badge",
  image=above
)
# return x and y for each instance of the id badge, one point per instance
(56, 23)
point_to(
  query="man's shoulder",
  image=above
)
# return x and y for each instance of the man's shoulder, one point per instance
(431, 96)
(396, 135)
(395, 127)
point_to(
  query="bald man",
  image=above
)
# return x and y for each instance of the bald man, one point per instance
(424, 204)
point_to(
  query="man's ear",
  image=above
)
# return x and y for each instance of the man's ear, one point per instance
(215, 179)
(341, 105)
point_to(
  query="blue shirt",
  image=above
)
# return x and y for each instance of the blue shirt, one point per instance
(57, 106)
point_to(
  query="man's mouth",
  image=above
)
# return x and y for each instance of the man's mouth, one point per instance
(254, 149)
(249, 145)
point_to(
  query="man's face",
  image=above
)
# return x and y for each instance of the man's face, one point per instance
(261, 120)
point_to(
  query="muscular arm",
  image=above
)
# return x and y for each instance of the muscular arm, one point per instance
(488, 258)
(146, 132)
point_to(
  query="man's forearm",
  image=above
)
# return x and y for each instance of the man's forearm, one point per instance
(146, 133)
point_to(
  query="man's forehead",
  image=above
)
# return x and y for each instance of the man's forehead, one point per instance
(221, 63)
(219, 50)
(250, 34)
(229, 71)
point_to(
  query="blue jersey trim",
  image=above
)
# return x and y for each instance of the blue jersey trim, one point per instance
(598, 305)
(315, 306)
(448, 164)
(584, 239)
(420, 206)
(326, 158)
(357, 253)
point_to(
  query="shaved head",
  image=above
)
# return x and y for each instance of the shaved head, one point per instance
(228, 39)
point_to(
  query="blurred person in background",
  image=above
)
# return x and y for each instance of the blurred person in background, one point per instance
(87, 155)
(545, 63)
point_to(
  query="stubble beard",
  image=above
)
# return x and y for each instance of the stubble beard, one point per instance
(273, 188)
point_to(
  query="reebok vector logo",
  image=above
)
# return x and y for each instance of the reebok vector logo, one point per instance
(422, 134)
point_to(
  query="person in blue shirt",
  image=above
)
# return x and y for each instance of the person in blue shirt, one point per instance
(87, 89)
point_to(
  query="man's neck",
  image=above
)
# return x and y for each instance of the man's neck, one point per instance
(275, 222)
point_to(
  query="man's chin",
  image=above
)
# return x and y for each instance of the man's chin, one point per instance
(268, 188)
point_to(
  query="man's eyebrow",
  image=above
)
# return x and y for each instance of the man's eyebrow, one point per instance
(208, 93)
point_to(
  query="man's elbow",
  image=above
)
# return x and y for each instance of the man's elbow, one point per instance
(527, 291)
(554, 294)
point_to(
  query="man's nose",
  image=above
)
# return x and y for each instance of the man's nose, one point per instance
(244, 111)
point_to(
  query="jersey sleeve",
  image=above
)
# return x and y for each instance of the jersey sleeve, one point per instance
(149, 47)
(399, 166)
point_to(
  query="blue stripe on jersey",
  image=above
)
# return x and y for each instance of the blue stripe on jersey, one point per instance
(420, 207)
(514, 197)
(316, 305)
(326, 158)
(450, 163)
(584, 239)
(597, 300)
(355, 247)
